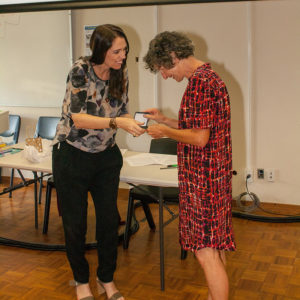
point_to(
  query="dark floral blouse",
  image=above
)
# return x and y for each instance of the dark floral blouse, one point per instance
(86, 93)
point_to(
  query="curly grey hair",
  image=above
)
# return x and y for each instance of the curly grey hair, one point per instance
(161, 47)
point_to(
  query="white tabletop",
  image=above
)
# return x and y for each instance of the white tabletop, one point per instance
(18, 161)
(148, 175)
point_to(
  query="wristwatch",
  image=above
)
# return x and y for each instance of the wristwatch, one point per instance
(113, 123)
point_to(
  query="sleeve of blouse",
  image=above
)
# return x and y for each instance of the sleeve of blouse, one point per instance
(202, 106)
(77, 87)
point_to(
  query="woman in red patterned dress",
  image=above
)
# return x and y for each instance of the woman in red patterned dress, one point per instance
(203, 132)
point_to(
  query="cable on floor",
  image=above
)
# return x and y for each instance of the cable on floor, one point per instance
(284, 218)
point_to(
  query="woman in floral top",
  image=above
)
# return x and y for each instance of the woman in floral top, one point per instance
(86, 157)
(204, 155)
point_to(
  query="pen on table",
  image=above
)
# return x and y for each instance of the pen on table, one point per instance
(13, 150)
(6, 151)
(169, 167)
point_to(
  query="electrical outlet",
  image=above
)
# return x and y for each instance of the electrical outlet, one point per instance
(249, 172)
(260, 173)
(271, 175)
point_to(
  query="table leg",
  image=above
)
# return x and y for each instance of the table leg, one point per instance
(35, 199)
(161, 241)
(160, 201)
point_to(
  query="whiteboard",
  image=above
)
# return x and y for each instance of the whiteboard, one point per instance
(35, 57)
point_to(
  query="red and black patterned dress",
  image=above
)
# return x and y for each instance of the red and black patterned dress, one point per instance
(205, 197)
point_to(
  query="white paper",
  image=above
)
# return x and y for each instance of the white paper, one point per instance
(144, 159)
(32, 154)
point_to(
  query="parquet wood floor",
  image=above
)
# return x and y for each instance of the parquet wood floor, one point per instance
(265, 266)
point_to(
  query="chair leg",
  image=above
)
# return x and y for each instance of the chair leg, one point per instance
(183, 254)
(128, 222)
(47, 208)
(41, 187)
(58, 205)
(148, 215)
(11, 181)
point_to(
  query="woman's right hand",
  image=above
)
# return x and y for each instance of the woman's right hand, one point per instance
(130, 125)
(155, 114)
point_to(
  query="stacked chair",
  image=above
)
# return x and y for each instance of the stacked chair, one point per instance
(46, 129)
(13, 133)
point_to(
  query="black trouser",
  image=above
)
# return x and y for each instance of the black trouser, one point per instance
(75, 173)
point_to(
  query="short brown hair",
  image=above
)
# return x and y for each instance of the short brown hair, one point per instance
(161, 47)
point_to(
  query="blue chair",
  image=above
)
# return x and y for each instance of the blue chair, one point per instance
(13, 132)
(46, 129)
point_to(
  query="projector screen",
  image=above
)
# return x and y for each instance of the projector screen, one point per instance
(8, 6)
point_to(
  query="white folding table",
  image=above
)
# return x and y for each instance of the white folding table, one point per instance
(142, 175)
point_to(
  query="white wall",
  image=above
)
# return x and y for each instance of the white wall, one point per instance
(220, 35)
(255, 48)
(275, 105)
